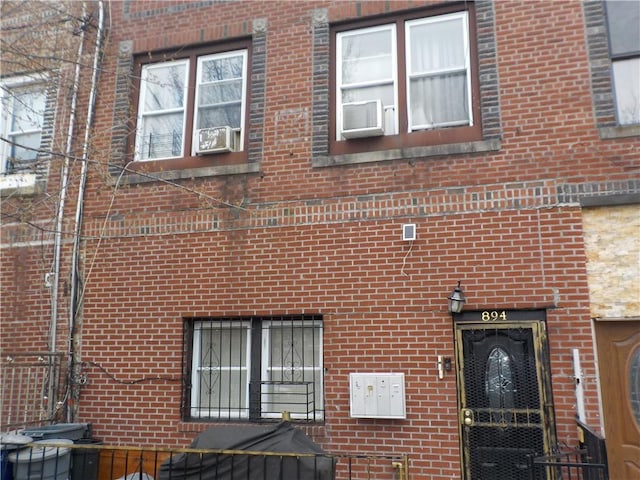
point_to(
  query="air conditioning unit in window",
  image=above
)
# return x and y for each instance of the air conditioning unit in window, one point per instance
(362, 119)
(217, 140)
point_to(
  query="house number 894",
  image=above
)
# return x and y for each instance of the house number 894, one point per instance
(494, 316)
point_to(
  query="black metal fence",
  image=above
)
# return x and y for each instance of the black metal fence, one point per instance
(91, 460)
(571, 465)
(586, 462)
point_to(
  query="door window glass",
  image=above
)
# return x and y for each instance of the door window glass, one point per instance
(634, 384)
(499, 385)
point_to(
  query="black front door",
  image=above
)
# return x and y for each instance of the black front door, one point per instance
(503, 392)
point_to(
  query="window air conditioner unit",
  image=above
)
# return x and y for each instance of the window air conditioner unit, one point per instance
(362, 119)
(218, 139)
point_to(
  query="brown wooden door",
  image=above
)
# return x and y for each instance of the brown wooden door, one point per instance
(619, 364)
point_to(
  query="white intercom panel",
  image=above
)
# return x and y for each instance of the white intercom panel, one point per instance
(377, 395)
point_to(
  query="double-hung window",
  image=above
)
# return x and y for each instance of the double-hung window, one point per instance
(220, 372)
(256, 368)
(180, 99)
(406, 78)
(438, 72)
(367, 75)
(623, 25)
(162, 111)
(23, 106)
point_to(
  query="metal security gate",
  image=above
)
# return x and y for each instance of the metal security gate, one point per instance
(504, 393)
(32, 388)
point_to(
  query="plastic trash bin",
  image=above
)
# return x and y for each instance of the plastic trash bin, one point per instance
(45, 460)
(84, 461)
(8, 443)
(71, 431)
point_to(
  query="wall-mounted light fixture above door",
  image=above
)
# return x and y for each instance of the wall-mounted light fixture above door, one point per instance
(456, 300)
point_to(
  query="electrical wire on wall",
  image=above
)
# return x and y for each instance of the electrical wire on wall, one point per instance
(127, 382)
(404, 260)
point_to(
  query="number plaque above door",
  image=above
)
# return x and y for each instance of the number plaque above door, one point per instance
(498, 315)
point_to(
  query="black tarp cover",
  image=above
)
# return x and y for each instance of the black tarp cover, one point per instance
(280, 438)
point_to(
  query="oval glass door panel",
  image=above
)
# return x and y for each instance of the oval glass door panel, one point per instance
(499, 380)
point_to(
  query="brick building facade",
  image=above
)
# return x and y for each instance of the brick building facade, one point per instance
(230, 286)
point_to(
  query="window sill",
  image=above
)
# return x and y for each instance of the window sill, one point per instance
(410, 153)
(135, 177)
(607, 133)
(19, 183)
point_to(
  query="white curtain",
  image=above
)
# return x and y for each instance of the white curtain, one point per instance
(438, 69)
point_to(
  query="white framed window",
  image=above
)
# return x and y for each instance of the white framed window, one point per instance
(438, 72)
(178, 98)
(623, 26)
(367, 72)
(422, 77)
(292, 369)
(256, 368)
(161, 111)
(21, 120)
(221, 93)
(220, 371)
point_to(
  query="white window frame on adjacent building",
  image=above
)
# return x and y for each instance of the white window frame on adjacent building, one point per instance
(19, 119)
(172, 100)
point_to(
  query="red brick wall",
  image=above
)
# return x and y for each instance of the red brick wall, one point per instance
(298, 239)
(384, 307)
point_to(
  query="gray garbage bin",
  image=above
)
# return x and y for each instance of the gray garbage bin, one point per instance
(45, 460)
(10, 442)
(71, 431)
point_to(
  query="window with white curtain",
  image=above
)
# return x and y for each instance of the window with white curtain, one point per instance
(439, 84)
(418, 68)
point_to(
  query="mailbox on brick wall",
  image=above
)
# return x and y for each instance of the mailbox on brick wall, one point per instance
(377, 395)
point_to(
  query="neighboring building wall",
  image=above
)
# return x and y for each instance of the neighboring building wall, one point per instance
(41, 43)
(612, 243)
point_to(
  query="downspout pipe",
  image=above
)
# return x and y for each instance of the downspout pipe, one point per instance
(64, 184)
(76, 299)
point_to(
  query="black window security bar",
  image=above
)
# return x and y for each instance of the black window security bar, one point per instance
(254, 368)
(292, 400)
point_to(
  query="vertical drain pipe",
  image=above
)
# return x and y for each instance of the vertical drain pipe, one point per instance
(76, 299)
(64, 184)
